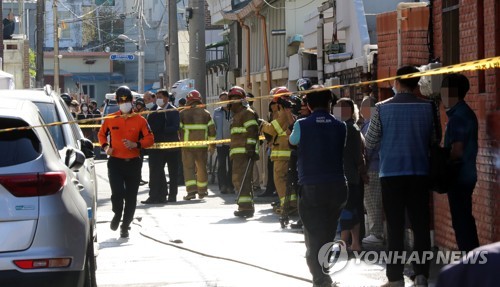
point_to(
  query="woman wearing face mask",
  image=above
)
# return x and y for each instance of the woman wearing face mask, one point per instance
(355, 172)
(122, 138)
(84, 114)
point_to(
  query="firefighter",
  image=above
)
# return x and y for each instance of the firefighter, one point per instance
(243, 150)
(280, 150)
(196, 124)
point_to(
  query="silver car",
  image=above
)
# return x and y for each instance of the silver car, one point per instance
(45, 231)
(53, 109)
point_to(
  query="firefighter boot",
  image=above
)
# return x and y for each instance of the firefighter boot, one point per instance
(244, 213)
(190, 195)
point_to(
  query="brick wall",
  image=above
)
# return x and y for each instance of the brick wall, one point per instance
(413, 41)
(208, 20)
(26, 65)
(484, 100)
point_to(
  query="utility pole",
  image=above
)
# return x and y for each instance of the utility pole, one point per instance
(1, 38)
(197, 64)
(56, 47)
(40, 37)
(140, 48)
(173, 45)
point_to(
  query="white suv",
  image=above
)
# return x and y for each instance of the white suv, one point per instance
(45, 232)
(53, 109)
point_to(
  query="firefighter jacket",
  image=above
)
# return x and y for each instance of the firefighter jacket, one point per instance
(133, 128)
(276, 129)
(244, 134)
(196, 124)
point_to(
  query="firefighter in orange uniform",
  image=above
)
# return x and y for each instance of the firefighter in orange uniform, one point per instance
(196, 124)
(280, 150)
(243, 150)
(128, 133)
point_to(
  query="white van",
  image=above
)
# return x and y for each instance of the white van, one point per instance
(111, 105)
(181, 88)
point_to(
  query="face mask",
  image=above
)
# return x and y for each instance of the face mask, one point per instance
(85, 109)
(126, 107)
(394, 90)
(150, 105)
(160, 102)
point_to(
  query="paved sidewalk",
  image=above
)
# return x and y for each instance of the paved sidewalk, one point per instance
(259, 241)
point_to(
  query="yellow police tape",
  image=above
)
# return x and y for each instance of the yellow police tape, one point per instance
(167, 145)
(483, 64)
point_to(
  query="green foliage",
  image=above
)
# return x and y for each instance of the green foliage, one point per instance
(32, 56)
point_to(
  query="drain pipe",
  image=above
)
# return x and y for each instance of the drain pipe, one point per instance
(247, 76)
(320, 42)
(400, 7)
(266, 48)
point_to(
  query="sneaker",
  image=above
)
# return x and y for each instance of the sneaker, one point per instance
(420, 281)
(399, 283)
(190, 195)
(124, 231)
(114, 223)
(372, 239)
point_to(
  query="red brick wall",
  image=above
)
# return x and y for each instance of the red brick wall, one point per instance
(413, 40)
(486, 198)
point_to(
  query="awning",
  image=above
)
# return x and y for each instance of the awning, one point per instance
(97, 77)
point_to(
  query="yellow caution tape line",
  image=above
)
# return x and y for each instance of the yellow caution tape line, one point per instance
(167, 145)
(483, 64)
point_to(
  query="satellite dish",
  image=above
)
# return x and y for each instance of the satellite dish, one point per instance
(107, 49)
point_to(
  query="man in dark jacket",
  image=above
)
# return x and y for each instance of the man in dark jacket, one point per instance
(8, 26)
(320, 139)
(165, 126)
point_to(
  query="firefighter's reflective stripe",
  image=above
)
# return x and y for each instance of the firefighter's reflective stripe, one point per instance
(189, 127)
(278, 128)
(211, 138)
(211, 122)
(281, 153)
(190, 183)
(251, 141)
(201, 184)
(293, 197)
(237, 150)
(238, 130)
(250, 123)
(245, 199)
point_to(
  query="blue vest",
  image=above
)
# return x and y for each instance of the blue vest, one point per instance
(407, 126)
(321, 149)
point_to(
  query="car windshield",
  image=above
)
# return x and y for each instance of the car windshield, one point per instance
(49, 115)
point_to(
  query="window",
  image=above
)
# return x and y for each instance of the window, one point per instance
(49, 115)
(236, 4)
(17, 147)
(89, 90)
(450, 33)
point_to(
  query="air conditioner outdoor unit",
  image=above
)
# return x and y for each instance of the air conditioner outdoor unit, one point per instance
(430, 86)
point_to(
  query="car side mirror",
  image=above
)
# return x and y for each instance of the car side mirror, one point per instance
(74, 159)
(87, 147)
